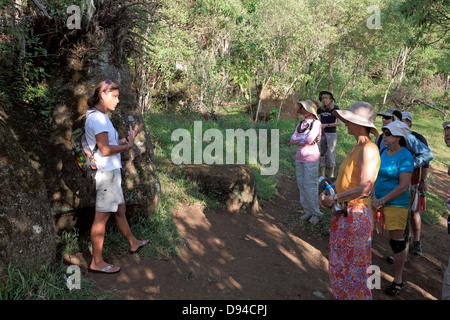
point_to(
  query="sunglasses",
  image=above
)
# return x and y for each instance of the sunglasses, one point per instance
(387, 133)
(388, 118)
(107, 83)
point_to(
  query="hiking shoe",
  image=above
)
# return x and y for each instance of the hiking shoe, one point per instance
(394, 289)
(417, 248)
(314, 219)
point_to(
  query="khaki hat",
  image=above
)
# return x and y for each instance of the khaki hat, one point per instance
(360, 113)
(392, 112)
(309, 106)
(398, 128)
(407, 116)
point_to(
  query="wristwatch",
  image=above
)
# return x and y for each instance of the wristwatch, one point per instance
(335, 198)
(423, 180)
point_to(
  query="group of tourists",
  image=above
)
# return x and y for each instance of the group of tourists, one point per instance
(378, 181)
(381, 179)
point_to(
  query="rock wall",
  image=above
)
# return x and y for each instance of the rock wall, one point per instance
(27, 236)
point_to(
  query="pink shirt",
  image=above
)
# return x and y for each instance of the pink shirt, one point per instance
(308, 148)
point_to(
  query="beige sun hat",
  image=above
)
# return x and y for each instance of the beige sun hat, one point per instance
(398, 128)
(309, 106)
(360, 113)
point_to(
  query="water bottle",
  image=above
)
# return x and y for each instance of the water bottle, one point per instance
(329, 188)
(422, 203)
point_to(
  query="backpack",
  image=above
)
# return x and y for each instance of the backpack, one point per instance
(82, 154)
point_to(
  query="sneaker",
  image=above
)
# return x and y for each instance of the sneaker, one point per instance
(417, 248)
(314, 219)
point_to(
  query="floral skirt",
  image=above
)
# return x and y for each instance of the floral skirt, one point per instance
(350, 253)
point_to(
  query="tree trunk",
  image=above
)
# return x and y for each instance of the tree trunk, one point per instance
(330, 68)
(259, 95)
(387, 90)
(401, 56)
(400, 78)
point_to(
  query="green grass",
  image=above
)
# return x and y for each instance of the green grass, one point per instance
(161, 127)
(46, 284)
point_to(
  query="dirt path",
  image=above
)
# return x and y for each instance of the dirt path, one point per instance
(263, 256)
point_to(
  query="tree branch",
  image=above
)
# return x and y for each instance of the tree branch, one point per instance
(42, 8)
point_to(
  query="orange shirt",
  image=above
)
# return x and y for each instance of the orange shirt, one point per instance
(349, 172)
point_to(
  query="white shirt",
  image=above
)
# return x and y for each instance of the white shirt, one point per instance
(98, 122)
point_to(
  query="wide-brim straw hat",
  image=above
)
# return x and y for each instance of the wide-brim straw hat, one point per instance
(360, 113)
(309, 106)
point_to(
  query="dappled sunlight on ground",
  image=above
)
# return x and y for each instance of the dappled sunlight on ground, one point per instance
(261, 256)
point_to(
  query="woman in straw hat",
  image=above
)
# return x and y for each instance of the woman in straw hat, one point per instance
(392, 194)
(307, 136)
(350, 236)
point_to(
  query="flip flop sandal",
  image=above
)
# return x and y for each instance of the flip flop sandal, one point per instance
(105, 270)
(142, 245)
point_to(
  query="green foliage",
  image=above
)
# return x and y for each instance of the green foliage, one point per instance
(24, 61)
(244, 44)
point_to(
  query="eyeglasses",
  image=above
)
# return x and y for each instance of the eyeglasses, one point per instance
(107, 83)
(387, 133)
(388, 118)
